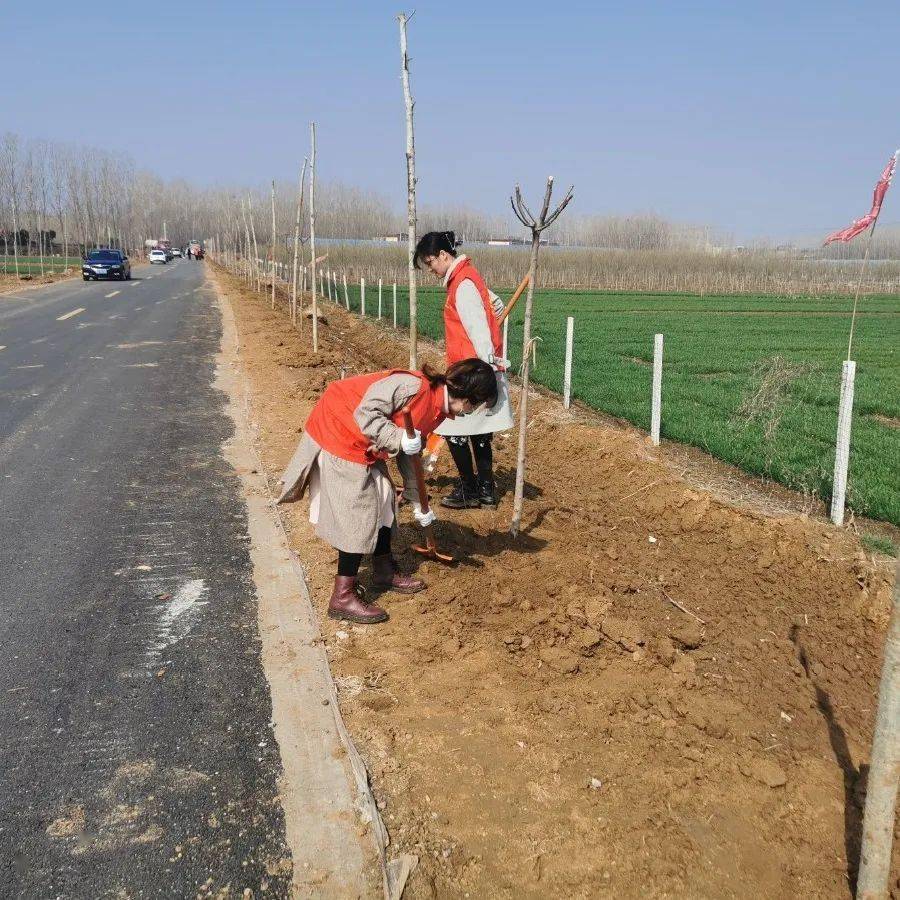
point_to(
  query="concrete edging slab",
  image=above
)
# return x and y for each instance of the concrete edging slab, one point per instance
(337, 838)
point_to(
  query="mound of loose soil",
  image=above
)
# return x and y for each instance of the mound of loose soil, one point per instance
(543, 721)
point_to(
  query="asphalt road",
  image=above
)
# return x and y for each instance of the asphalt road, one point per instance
(136, 753)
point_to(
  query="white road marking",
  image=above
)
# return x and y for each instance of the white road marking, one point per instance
(113, 294)
(69, 315)
(177, 616)
(39, 340)
(38, 366)
(136, 284)
(140, 365)
(2, 346)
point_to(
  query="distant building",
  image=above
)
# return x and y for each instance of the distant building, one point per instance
(392, 238)
(500, 242)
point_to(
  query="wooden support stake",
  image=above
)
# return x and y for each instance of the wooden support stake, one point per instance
(297, 220)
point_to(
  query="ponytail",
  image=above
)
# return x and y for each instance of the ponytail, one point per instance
(469, 379)
(433, 243)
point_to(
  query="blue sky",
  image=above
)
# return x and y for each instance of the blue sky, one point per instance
(759, 118)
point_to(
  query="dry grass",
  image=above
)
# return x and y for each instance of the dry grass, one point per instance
(690, 272)
(766, 401)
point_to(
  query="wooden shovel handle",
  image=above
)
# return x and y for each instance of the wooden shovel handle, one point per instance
(417, 461)
(514, 299)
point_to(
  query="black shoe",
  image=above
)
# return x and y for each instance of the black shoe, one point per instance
(486, 493)
(463, 496)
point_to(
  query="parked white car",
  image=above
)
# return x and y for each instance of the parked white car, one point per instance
(158, 256)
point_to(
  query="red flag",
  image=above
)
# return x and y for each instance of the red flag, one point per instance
(860, 225)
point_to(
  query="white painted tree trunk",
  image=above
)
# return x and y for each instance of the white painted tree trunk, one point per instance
(346, 293)
(842, 448)
(395, 304)
(656, 400)
(379, 299)
(567, 374)
(362, 296)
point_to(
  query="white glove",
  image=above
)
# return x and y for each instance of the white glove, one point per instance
(411, 445)
(423, 518)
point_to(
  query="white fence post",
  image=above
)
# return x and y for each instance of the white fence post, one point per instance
(379, 298)
(346, 295)
(656, 408)
(395, 304)
(362, 296)
(842, 449)
(567, 374)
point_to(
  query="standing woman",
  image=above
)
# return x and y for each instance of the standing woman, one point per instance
(470, 329)
(356, 425)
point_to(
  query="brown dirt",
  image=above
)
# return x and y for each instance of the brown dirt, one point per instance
(10, 283)
(542, 722)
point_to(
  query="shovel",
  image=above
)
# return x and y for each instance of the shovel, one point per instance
(430, 549)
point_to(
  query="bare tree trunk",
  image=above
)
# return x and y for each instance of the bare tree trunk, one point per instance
(255, 245)
(15, 236)
(312, 236)
(297, 221)
(516, 522)
(884, 771)
(403, 19)
(537, 225)
(272, 249)
(248, 272)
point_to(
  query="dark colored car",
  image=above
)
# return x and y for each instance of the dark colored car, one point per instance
(106, 264)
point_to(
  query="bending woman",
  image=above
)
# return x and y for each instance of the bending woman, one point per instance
(356, 425)
(470, 329)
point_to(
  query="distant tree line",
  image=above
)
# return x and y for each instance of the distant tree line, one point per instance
(64, 199)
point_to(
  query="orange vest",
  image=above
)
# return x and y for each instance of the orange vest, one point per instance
(332, 426)
(456, 337)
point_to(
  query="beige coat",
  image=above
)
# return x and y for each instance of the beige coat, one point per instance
(350, 494)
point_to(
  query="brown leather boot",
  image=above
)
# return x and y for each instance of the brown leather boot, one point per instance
(349, 604)
(387, 577)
